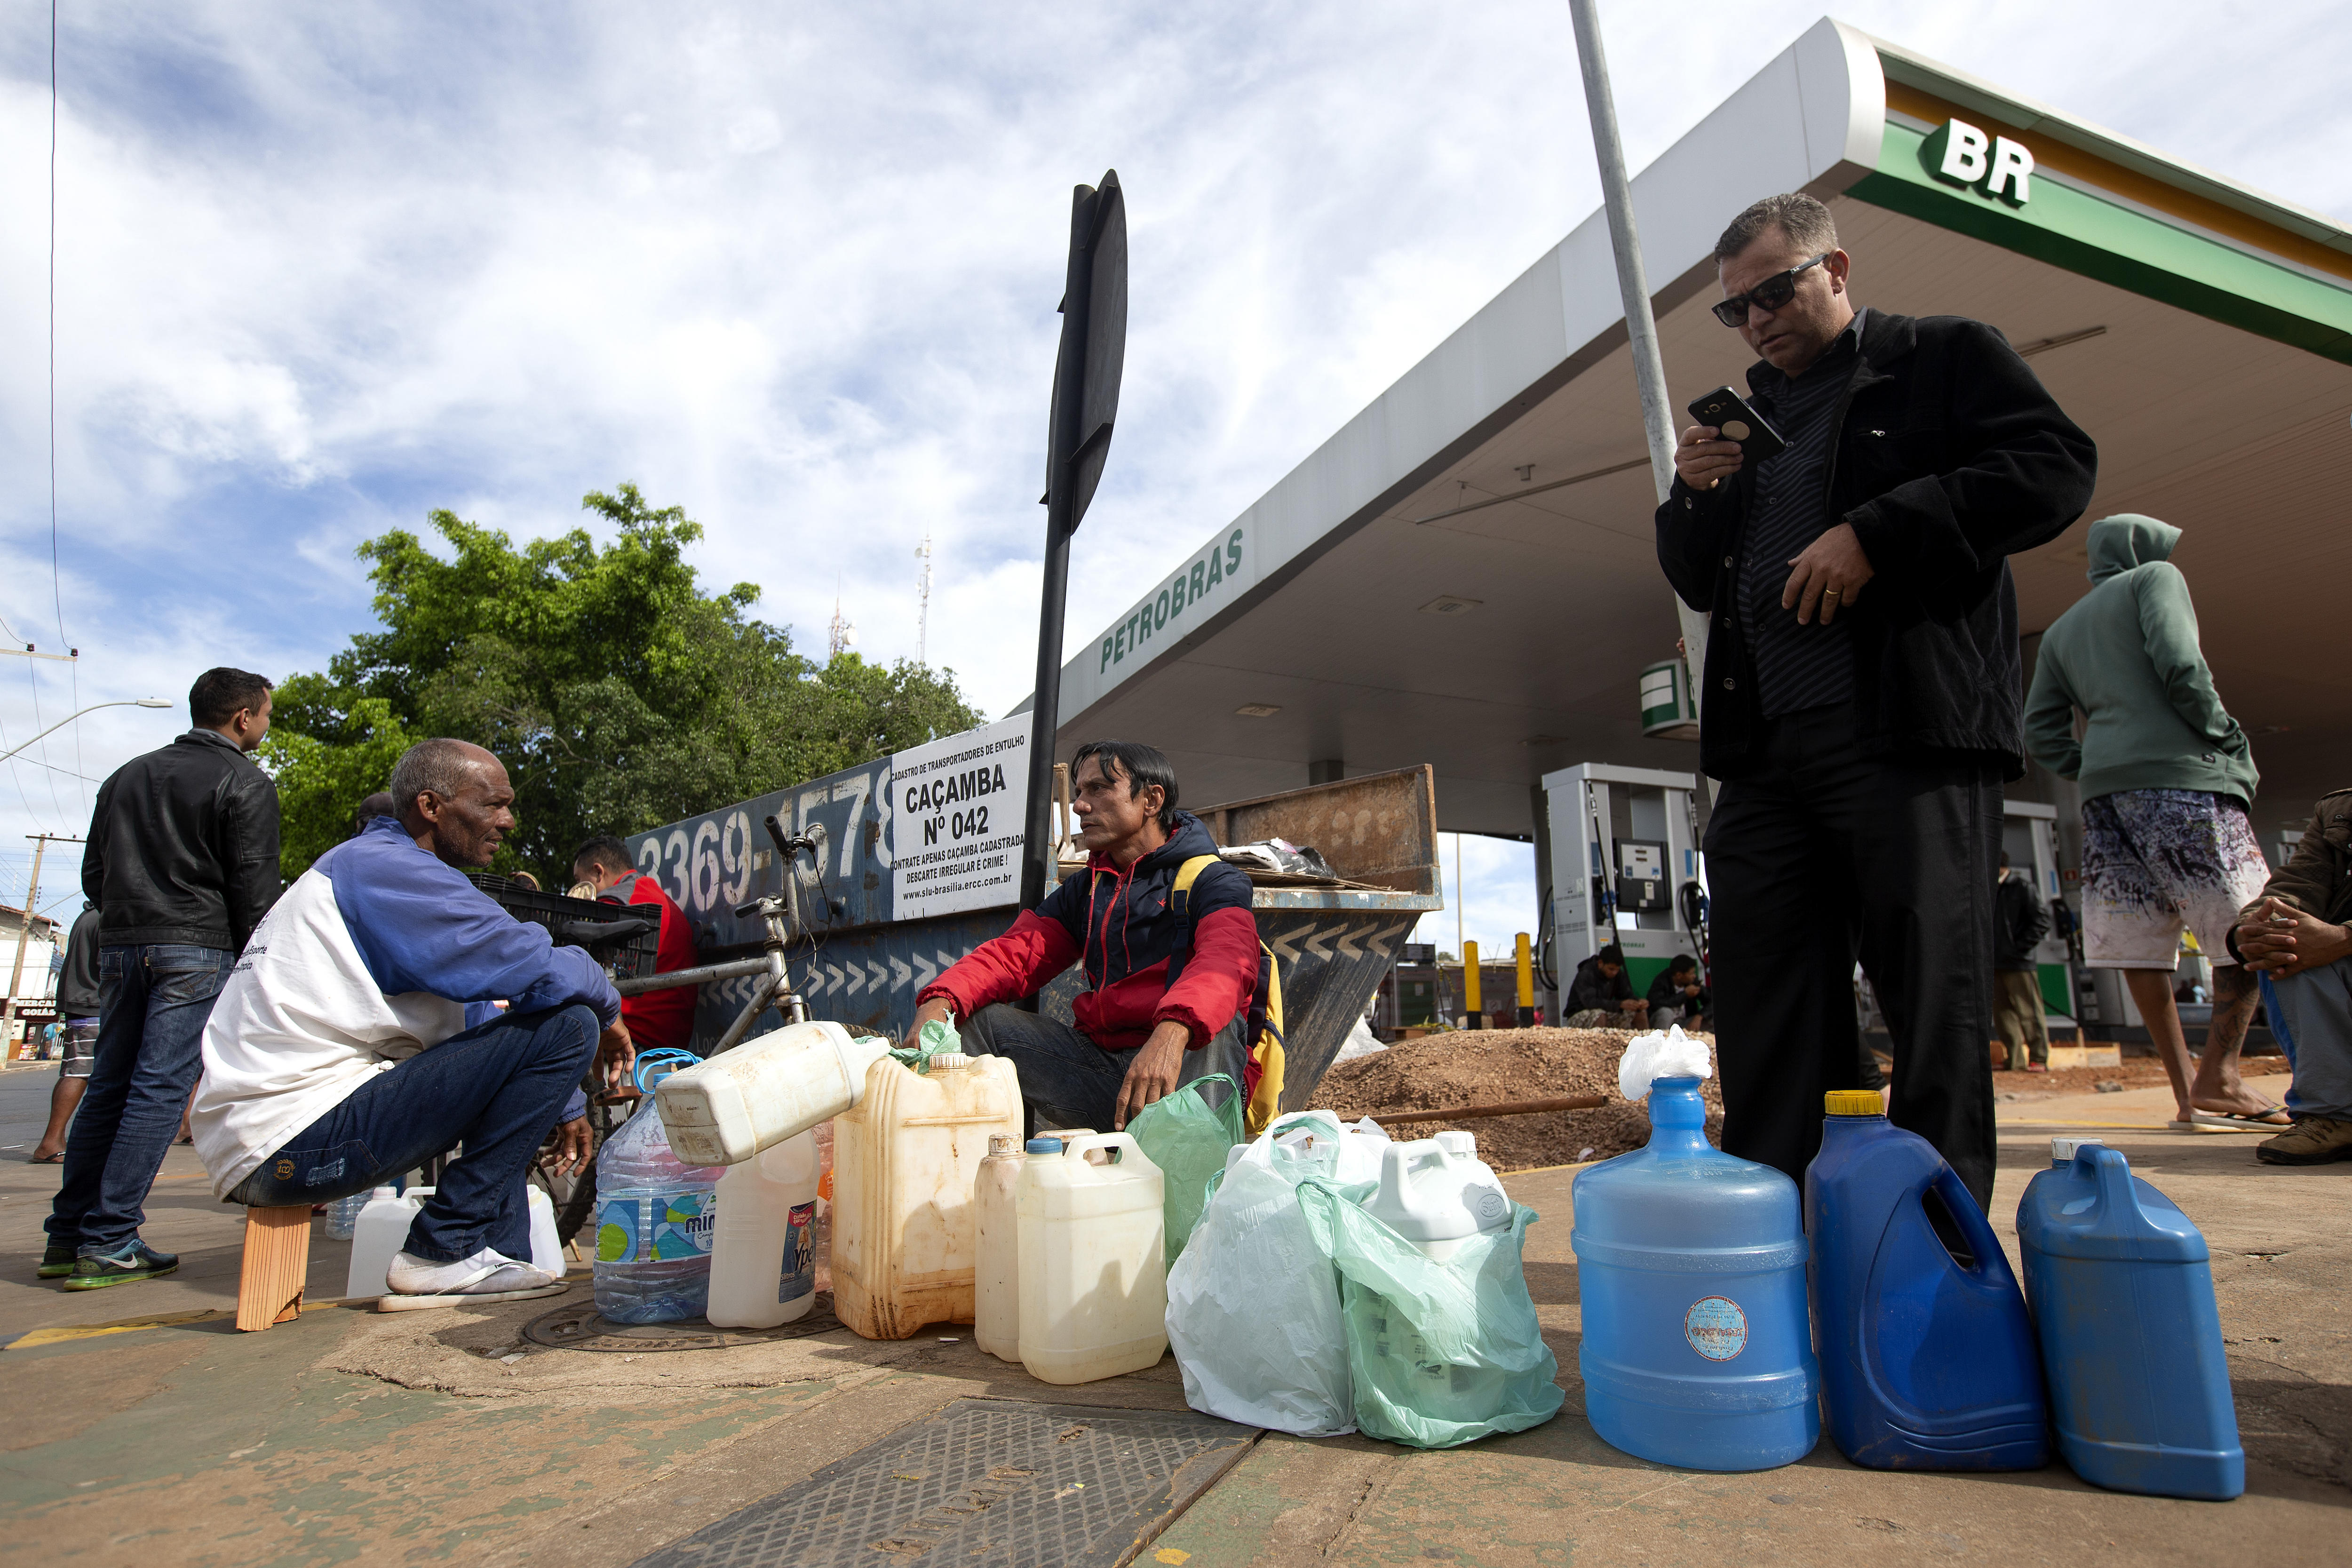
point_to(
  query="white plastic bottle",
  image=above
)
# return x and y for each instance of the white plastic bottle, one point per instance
(654, 1226)
(724, 1111)
(763, 1265)
(1093, 1268)
(996, 1264)
(1436, 1193)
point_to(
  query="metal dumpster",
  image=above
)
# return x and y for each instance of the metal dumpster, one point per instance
(859, 966)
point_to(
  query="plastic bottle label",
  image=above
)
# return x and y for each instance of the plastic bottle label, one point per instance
(1715, 1328)
(799, 1276)
(657, 1229)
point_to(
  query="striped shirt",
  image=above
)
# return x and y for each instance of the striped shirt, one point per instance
(1797, 667)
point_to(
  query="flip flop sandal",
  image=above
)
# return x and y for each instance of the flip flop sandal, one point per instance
(391, 1303)
(57, 1159)
(2234, 1122)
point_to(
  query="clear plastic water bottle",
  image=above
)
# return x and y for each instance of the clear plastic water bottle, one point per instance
(655, 1226)
(343, 1213)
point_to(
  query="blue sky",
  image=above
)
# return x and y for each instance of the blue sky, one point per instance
(322, 268)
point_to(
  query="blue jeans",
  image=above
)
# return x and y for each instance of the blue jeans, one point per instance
(153, 1001)
(1066, 1080)
(498, 1087)
(2311, 1013)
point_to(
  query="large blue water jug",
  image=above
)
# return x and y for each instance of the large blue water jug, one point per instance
(2122, 1290)
(1928, 1361)
(1690, 1269)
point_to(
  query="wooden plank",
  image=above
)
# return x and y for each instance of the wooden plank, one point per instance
(1380, 830)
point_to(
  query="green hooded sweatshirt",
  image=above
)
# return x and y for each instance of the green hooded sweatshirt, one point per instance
(2126, 655)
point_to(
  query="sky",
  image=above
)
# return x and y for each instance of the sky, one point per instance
(321, 270)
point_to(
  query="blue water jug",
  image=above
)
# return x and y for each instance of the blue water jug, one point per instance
(1690, 1269)
(2122, 1292)
(1928, 1364)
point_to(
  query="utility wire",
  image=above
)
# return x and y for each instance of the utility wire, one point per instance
(57, 576)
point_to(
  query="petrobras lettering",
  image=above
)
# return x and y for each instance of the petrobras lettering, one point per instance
(1211, 579)
(958, 820)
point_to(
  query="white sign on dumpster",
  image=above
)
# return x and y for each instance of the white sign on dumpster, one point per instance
(958, 810)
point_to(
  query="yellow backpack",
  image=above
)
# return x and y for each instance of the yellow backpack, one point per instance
(1262, 1036)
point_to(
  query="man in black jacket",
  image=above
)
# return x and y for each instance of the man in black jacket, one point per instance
(183, 864)
(2019, 924)
(1862, 737)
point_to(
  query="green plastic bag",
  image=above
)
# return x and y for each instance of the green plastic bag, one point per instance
(1188, 1138)
(1442, 1352)
(936, 1037)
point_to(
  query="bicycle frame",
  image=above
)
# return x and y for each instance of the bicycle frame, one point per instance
(782, 918)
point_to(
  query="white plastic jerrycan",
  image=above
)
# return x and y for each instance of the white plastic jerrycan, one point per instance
(724, 1111)
(763, 1262)
(996, 1268)
(1094, 1270)
(381, 1230)
(1436, 1193)
(905, 1163)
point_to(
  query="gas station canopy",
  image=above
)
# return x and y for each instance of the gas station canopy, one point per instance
(1358, 618)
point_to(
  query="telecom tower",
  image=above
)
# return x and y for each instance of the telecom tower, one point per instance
(841, 636)
(923, 616)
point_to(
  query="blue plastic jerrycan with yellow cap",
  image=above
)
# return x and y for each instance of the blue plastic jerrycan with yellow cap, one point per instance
(1690, 1269)
(2122, 1290)
(1928, 1360)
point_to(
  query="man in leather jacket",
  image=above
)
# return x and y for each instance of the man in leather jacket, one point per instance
(183, 864)
(1862, 696)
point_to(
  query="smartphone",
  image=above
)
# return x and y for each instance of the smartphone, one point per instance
(1729, 412)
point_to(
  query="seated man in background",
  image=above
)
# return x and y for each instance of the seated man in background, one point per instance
(1152, 1003)
(356, 1038)
(657, 1018)
(2294, 937)
(1600, 997)
(2019, 924)
(1676, 997)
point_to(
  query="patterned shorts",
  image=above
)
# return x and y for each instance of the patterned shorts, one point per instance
(2157, 861)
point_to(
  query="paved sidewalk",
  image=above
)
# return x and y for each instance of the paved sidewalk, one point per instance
(443, 1437)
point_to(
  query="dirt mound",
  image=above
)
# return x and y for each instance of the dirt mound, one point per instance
(1491, 1067)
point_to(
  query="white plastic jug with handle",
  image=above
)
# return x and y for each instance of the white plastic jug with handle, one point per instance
(1436, 1193)
(996, 1264)
(381, 1230)
(763, 1265)
(905, 1162)
(724, 1111)
(1094, 1270)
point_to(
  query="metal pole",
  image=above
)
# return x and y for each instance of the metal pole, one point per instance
(1634, 288)
(1069, 391)
(24, 934)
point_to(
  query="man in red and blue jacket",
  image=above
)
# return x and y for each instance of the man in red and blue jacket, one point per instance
(1152, 1003)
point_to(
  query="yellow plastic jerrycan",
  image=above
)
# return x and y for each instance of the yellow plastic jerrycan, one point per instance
(903, 1162)
(1094, 1270)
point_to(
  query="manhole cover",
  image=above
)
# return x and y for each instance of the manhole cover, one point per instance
(580, 1327)
(991, 1481)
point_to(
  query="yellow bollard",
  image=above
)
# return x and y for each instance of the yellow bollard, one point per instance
(1527, 984)
(1472, 1018)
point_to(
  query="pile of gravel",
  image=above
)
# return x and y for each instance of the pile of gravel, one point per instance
(1493, 1066)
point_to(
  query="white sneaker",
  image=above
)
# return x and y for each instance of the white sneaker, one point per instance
(487, 1276)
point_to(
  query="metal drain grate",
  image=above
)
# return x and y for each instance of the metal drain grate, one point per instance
(580, 1327)
(984, 1481)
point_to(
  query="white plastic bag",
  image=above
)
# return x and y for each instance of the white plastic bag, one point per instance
(1361, 1042)
(1253, 1304)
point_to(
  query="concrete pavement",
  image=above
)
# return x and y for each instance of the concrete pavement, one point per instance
(355, 1436)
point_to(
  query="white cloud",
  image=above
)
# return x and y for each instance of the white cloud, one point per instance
(321, 270)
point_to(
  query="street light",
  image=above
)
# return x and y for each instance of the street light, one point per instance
(133, 702)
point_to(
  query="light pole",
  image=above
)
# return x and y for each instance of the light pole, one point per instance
(132, 702)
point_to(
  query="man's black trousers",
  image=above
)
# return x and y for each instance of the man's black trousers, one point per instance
(1822, 855)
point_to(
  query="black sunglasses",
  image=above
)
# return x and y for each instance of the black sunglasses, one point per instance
(1772, 293)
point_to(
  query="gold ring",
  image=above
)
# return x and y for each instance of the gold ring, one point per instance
(1830, 594)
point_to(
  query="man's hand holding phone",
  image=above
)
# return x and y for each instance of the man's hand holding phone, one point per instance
(1704, 457)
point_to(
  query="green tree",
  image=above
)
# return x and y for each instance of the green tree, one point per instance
(619, 695)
